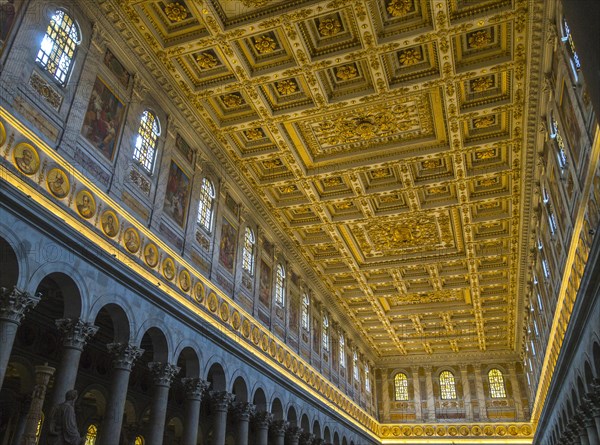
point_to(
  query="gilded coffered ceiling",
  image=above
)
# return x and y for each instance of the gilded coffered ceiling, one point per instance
(386, 137)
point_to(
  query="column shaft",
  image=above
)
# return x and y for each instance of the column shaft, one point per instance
(194, 390)
(430, 396)
(163, 375)
(480, 394)
(220, 404)
(464, 376)
(125, 354)
(417, 393)
(516, 390)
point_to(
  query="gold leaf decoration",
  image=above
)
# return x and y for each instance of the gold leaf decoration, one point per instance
(479, 39)
(484, 122)
(399, 8)
(286, 87)
(254, 134)
(329, 27)
(176, 12)
(410, 56)
(346, 72)
(264, 44)
(481, 84)
(206, 60)
(233, 100)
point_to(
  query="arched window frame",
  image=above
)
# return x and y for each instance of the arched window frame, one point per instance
(447, 385)
(325, 333)
(58, 47)
(280, 286)
(342, 350)
(552, 224)
(367, 378)
(561, 147)
(355, 366)
(497, 384)
(248, 251)
(206, 204)
(400, 387)
(567, 38)
(146, 142)
(305, 311)
(139, 440)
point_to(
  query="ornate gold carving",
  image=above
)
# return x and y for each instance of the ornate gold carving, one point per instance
(254, 3)
(346, 72)
(270, 164)
(399, 8)
(286, 87)
(410, 56)
(485, 154)
(206, 60)
(233, 100)
(481, 84)
(176, 12)
(431, 163)
(487, 182)
(333, 181)
(265, 44)
(484, 122)
(380, 173)
(290, 188)
(386, 236)
(479, 39)
(254, 134)
(329, 27)
(45, 90)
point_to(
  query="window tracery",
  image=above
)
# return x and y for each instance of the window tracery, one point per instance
(342, 350)
(496, 381)
(205, 208)
(447, 386)
(280, 285)
(325, 333)
(305, 312)
(400, 387)
(248, 251)
(144, 151)
(91, 434)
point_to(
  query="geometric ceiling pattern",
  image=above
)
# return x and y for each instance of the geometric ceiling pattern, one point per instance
(385, 137)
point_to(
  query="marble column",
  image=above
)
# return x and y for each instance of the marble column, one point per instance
(261, 427)
(464, 376)
(480, 394)
(194, 389)
(75, 335)
(163, 374)
(42, 377)
(13, 305)
(124, 355)
(516, 389)
(417, 393)
(278, 428)
(242, 411)
(306, 438)
(292, 435)
(220, 401)
(430, 396)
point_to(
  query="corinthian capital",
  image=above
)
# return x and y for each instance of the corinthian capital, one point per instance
(306, 439)
(195, 388)
(124, 354)
(278, 427)
(220, 400)
(262, 419)
(14, 303)
(293, 433)
(243, 410)
(75, 332)
(163, 373)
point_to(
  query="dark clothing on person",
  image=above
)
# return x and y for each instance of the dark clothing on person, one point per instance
(63, 426)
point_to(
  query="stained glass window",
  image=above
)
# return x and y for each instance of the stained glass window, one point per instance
(562, 151)
(496, 379)
(305, 311)
(280, 285)
(139, 440)
(207, 199)
(568, 39)
(58, 46)
(400, 387)
(144, 151)
(447, 386)
(342, 350)
(325, 333)
(248, 251)
(90, 435)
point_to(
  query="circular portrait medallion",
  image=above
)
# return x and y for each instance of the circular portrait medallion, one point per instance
(151, 254)
(58, 183)
(184, 280)
(85, 203)
(109, 223)
(199, 292)
(131, 239)
(168, 268)
(26, 158)
(2, 134)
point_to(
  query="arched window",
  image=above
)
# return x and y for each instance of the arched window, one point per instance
(496, 379)
(568, 39)
(325, 336)
(139, 440)
(144, 151)
(305, 312)
(550, 211)
(58, 46)
(207, 200)
(367, 378)
(342, 350)
(561, 150)
(280, 286)
(355, 365)
(447, 386)
(248, 251)
(400, 387)
(90, 435)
